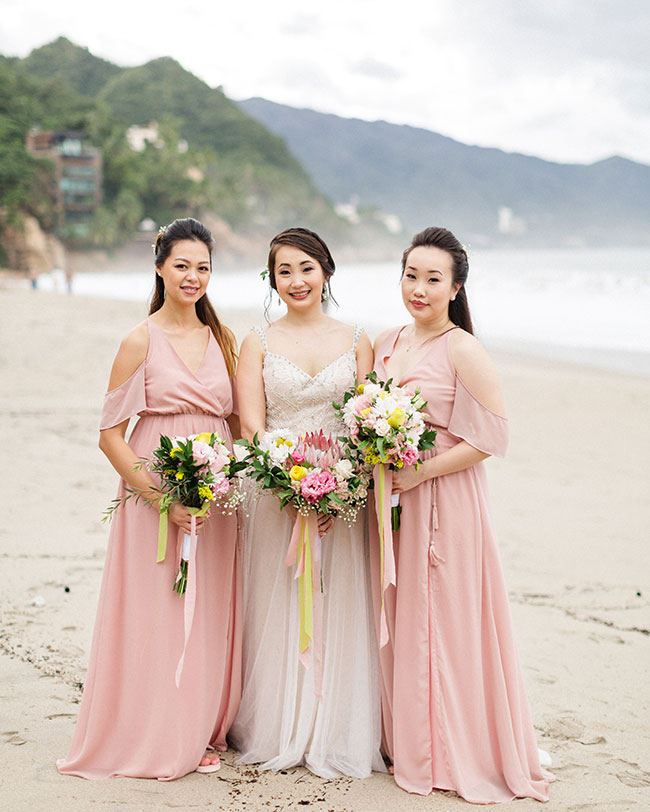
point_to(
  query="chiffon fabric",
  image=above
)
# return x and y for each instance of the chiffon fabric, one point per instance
(133, 720)
(455, 712)
(281, 723)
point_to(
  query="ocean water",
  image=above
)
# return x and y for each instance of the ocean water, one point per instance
(586, 306)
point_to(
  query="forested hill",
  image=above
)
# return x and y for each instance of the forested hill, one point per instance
(426, 178)
(231, 165)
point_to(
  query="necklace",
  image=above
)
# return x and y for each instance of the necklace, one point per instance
(420, 344)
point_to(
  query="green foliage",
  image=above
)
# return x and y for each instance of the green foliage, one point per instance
(233, 166)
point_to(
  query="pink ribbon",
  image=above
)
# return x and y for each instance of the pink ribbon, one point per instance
(383, 477)
(190, 597)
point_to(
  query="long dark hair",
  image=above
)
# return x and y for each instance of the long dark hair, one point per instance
(436, 237)
(309, 242)
(187, 228)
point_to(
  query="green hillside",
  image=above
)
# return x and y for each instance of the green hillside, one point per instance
(229, 165)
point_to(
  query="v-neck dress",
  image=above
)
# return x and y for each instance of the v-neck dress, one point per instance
(454, 705)
(133, 720)
(281, 723)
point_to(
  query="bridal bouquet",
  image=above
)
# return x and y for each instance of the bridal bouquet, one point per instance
(386, 424)
(315, 474)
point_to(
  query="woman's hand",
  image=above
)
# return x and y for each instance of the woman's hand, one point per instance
(325, 523)
(407, 478)
(181, 516)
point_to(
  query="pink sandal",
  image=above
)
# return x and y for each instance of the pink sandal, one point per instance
(209, 764)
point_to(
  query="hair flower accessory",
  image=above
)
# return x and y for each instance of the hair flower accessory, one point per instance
(154, 245)
(265, 272)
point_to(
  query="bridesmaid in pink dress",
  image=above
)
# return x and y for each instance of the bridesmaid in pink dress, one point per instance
(175, 372)
(455, 711)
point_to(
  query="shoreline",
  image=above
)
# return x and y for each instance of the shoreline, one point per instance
(570, 505)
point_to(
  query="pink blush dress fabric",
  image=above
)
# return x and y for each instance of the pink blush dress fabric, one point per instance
(133, 720)
(455, 713)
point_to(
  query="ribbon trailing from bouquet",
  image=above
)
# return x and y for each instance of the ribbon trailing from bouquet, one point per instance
(307, 557)
(162, 536)
(383, 476)
(190, 592)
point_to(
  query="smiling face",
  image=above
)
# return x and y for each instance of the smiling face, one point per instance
(186, 271)
(428, 284)
(299, 279)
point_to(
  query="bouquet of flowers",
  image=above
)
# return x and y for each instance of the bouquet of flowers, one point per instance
(387, 426)
(198, 471)
(315, 474)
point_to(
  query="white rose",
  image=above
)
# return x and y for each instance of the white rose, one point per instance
(344, 469)
(382, 427)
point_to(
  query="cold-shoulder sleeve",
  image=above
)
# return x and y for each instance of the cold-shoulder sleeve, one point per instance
(476, 424)
(125, 401)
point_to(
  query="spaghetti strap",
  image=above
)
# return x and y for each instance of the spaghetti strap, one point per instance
(261, 332)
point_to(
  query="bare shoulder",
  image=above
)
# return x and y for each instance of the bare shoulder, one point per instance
(476, 369)
(131, 354)
(251, 345)
(382, 337)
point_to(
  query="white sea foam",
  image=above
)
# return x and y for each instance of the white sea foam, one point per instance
(592, 302)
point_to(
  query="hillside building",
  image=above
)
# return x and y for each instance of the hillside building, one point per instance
(77, 190)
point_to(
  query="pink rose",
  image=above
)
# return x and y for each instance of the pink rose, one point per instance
(409, 456)
(200, 451)
(298, 457)
(221, 486)
(315, 486)
(218, 463)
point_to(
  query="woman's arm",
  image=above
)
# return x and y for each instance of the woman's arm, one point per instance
(112, 442)
(476, 370)
(250, 387)
(365, 357)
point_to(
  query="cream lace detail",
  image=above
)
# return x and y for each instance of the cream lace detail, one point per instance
(300, 402)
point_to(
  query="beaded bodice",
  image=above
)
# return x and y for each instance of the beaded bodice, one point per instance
(297, 401)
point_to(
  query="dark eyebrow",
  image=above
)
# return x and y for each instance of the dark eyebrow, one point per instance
(200, 262)
(432, 270)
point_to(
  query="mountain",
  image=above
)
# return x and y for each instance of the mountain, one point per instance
(71, 64)
(486, 195)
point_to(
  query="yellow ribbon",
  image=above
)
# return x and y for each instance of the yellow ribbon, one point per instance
(305, 587)
(382, 494)
(163, 525)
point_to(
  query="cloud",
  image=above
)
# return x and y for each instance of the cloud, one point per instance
(374, 69)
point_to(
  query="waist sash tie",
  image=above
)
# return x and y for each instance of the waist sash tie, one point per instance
(434, 558)
(383, 477)
(305, 551)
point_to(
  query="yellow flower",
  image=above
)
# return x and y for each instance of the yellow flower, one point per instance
(360, 388)
(364, 412)
(297, 473)
(204, 437)
(206, 493)
(281, 441)
(383, 395)
(169, 471)
(397, 418)
(180, 475)
(372, 459)
(174, 451)
(399, 464)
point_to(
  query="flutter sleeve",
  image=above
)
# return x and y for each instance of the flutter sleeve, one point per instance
(125, 401)
(476, 424)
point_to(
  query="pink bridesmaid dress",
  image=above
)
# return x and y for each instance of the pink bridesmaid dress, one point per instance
(454, 707)
(134, 720)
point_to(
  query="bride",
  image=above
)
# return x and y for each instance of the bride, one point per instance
(287, 377)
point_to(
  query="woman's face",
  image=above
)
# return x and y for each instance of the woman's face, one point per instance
(186, 271)
(299, 279)
(428, 283)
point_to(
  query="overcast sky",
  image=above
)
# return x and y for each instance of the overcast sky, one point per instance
(568, 80)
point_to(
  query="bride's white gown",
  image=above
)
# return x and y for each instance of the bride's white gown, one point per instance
(280, 723)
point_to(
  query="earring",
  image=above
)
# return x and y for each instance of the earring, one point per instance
(324, 295)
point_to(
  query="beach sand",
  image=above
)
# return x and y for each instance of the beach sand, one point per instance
(571, 507)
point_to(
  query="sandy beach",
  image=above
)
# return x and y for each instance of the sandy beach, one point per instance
(571, 506)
